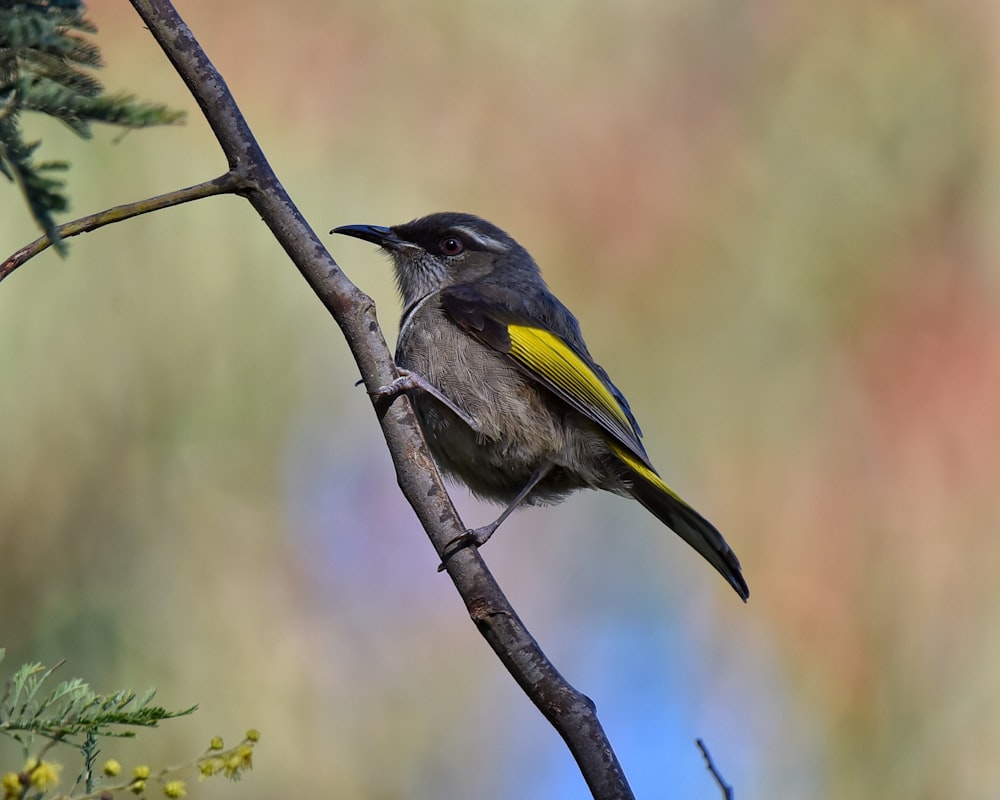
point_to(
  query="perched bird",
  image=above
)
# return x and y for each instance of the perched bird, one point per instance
(507, 394)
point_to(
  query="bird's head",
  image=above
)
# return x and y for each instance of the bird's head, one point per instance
(440, 250)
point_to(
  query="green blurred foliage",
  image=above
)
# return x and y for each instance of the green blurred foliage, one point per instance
(776, 224)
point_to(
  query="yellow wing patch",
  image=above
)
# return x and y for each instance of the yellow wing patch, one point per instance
(558, 365)
(644, 471)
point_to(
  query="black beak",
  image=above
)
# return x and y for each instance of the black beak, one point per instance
(376, 234)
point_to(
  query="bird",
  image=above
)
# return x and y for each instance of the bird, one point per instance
(509, 398)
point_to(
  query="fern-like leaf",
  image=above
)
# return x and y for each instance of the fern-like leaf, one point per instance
(46, 65)
(71, 711)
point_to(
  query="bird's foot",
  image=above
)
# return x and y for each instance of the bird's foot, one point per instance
(474, 537)
(409, 381)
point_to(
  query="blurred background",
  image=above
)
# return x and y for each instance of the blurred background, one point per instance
(777, 224)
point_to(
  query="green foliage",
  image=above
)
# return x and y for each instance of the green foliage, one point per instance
(71, 712)
(46, 66)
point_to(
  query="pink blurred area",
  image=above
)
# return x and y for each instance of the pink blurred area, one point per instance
(777, 225)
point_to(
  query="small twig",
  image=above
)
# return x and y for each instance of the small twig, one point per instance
(90, 753)
(224, 184)
(727, 790)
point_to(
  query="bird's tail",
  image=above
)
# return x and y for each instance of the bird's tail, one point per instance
(649, 489)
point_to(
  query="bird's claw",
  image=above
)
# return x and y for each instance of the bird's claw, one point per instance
(474, 537)
(404, 382)
(409, 381)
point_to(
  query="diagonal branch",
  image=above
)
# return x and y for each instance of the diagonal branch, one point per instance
(250, 175)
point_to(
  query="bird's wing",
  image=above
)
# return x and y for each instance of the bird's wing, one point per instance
(563, 368)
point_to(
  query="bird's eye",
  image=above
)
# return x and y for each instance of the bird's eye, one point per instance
(451, 245)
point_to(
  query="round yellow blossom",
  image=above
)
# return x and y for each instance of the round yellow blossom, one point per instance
(174, 789)
(44, 775)
(141, 772)
(111, 768)
(11, 783)
(232, 764)
(216, 743)
(238, 759)
(253, 735)
(209, 767)
(137, 787)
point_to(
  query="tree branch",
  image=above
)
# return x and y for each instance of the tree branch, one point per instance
(725, 788)
(570, 712)
(228, 183)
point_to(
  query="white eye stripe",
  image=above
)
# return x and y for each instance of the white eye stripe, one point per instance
(484, 241)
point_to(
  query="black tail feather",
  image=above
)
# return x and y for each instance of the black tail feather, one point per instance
(690, 526)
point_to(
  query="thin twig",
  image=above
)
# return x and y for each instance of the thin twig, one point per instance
(727, 790)
(228, 183)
